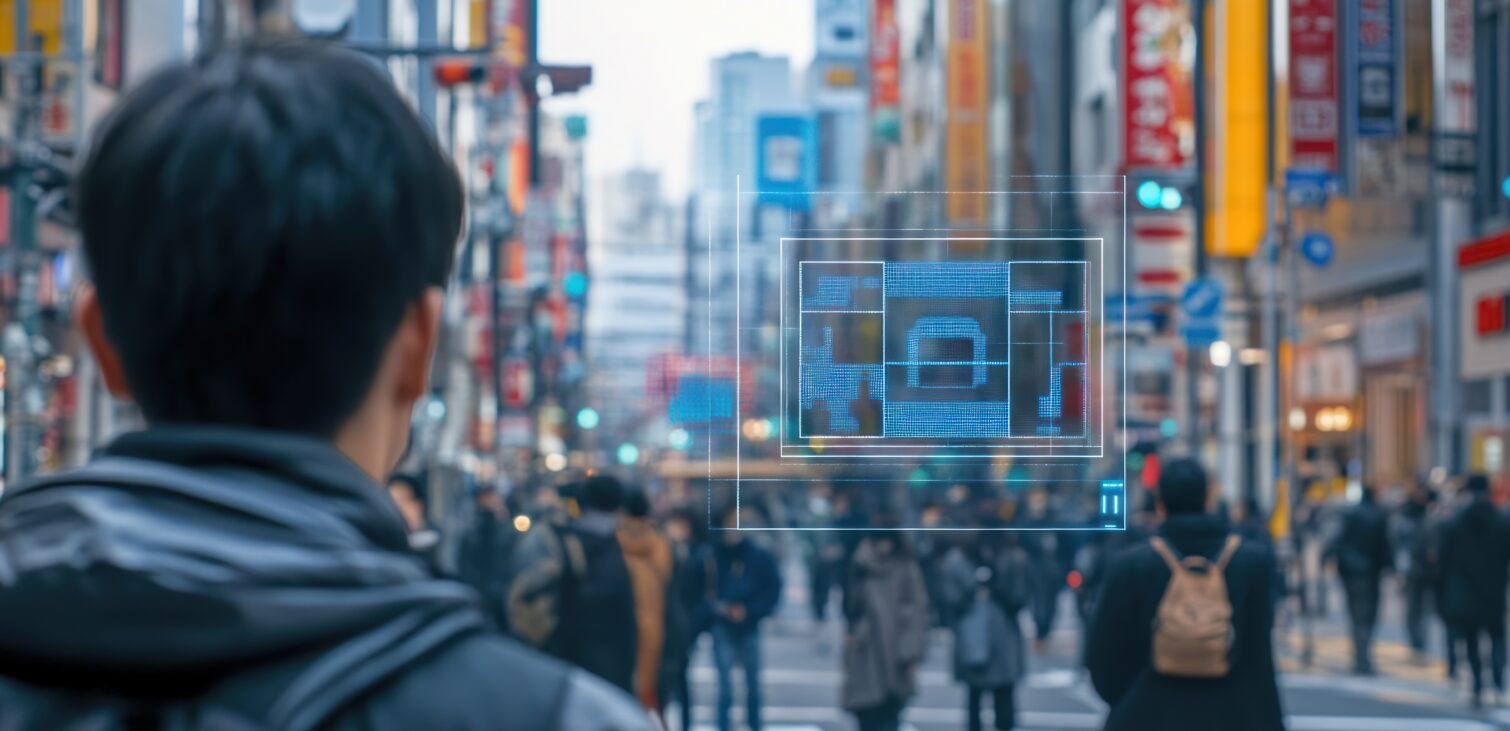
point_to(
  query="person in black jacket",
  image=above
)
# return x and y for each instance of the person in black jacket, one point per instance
(1362, 553)
(486, 552)
(1475, 557)
(1119, 647)
(268, 229)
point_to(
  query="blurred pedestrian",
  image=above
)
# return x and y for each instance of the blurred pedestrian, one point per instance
(1413, 559)
(1362, 554)
(681, 608)
(822, 552)
(411, 494)
(269, 230)
(1474, 560)
(572, 595)
(648, 556)
(886, 634)
(740, 587)
(987, 581)
(1142, 667)
(485, 559)
(1044, 546)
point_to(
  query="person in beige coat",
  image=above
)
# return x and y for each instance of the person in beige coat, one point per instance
(648, 556)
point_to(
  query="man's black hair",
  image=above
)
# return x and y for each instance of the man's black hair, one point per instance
(636, 502)
(1182, 487)
(256, 223)
(603, 493)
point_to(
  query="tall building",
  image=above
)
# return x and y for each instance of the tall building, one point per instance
(637, 303)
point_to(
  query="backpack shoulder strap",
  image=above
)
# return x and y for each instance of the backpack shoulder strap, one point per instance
(1165, 552)
(1233, 541)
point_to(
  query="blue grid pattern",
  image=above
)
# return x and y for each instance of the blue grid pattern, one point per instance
(961, 328)
(946, 279)
(963, 419)
(836, 384)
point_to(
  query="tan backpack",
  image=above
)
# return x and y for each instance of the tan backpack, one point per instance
(1193, 633)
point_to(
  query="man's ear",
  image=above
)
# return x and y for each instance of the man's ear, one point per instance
(419, 332)
(91, 322)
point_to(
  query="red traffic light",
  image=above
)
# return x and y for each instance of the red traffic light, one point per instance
(456, 71)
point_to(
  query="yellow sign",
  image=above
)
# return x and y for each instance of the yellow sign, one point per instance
(1238, 117)
(43, 17)
(967, 169)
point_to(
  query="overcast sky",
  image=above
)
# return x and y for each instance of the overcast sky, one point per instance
(650, 64)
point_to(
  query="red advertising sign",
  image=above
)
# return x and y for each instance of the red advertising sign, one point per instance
(1313, 84)
(885, 56)
(1158, 99)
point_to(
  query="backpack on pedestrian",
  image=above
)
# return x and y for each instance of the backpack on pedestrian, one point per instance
(1193, 632)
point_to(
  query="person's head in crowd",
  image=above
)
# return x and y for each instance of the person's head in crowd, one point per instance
(885, 533)
(268, 230)
(602, 494)
(1476, 485)
(729, 522)
(1183, 489)
(490, 499)
(681, 526)
(410, 494)
(636, 502)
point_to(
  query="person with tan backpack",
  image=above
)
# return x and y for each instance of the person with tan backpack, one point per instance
(1180, 637)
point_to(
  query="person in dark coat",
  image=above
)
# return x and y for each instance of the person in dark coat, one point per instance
(1475, 557)
(486, 551)
(886, 634)
(987, 587)
(268, 230)
(740, 586)
(1362, 553)
(1119, 647)
(682, 601)
(1413, 548)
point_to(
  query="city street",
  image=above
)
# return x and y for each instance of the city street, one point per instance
(802, 682)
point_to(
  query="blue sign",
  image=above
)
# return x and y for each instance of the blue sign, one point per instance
(1202, 298)
(1317, 248)
(786, 160)
(1376, 82)
(1309, 188)
(1200, 333)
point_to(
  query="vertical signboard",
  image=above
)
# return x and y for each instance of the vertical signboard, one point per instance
(1376, 54)
(885, 71)
(1452, 50)
(1313, 85)
(1158, 109)
(1238, 117)
(966, 161)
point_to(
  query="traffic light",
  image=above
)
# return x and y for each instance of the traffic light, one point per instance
(1156, 196)
(458, 71)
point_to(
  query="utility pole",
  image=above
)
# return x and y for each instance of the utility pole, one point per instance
(20, 331)
(1198, 209)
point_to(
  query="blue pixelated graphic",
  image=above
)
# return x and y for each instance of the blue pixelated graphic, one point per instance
(1037, 297)
(837, 385)
(957, 419)
(945, 279)
(834, 290)
(870, 282)
(946, 328)
(1051, 406)
(700, 399)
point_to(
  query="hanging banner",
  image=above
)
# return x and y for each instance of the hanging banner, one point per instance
(1159, 105)
(1376, 51)
(1452, 52)
(885, 72)
(966, 160)
(1313, 85)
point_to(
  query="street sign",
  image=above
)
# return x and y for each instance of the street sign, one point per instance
(1317, 248)
(1202, 298)
(1201, 333)
(1309, 188)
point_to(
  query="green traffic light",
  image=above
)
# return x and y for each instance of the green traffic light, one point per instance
(1150, 194)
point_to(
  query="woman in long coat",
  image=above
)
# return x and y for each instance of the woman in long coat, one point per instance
(987, 588)
(886, 637)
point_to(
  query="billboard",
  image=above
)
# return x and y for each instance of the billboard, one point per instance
(1237, 196)
(1313, 85)
(885, 71)
(1375, 73)
(1159, 106)
(966, 162)
(786, 160)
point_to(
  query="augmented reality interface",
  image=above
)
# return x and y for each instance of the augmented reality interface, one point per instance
(903, 366)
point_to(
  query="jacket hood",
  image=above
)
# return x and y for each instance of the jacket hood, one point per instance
(637, 537)
(194, 551)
